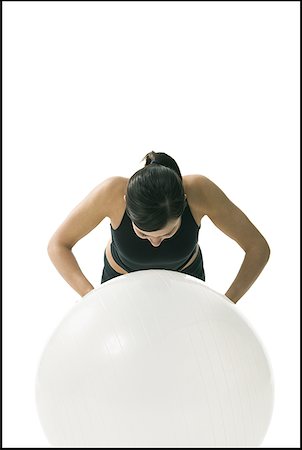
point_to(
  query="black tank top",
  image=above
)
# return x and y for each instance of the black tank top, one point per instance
(133, 253)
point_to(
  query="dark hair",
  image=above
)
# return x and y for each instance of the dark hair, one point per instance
(155, 193)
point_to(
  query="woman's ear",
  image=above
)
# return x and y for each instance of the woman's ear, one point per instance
(125, 197)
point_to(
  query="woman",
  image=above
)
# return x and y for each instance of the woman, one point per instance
(155, 221)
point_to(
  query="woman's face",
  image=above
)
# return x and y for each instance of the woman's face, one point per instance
(156, 237)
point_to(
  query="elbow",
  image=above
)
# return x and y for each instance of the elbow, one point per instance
(261, 248)
(268, 251)
(50, 247)
(54, 244)
(265, 249)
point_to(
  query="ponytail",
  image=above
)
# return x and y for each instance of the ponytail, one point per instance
(162, 159)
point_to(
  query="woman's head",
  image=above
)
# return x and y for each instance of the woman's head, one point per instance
(155, 198)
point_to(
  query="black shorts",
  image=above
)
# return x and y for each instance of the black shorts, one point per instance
(195, 269)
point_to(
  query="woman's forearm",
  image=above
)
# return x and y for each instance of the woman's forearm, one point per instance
(66, 264)
(254, 261)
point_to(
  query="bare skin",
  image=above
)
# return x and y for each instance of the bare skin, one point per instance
(204, 198)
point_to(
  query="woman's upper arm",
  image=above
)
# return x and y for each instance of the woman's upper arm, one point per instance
(226, 215)
(87, 214)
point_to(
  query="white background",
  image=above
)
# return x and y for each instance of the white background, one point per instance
(88, 89)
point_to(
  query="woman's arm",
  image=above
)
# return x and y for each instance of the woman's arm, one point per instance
(66, 264)
(82, 219)
(235, 224)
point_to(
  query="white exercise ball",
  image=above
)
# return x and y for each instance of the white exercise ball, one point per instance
(154, 358)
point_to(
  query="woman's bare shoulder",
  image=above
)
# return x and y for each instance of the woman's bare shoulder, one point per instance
(117, 188)
(194, 178)
(195, 184)
(116, 179)
(114, 185)
(195, 188)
